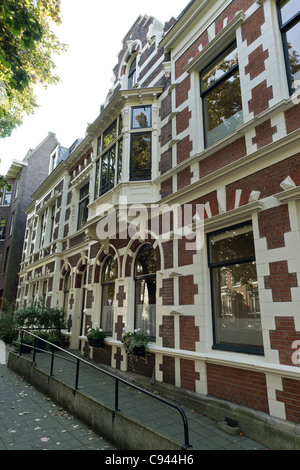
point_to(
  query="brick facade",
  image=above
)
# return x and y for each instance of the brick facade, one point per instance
(249, 177)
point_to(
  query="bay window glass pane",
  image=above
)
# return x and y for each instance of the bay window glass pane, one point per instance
(140, 156)
(141, 117)
(109, 135)
(223, 109)
(289, 8)
(293, 46)
(120, 161)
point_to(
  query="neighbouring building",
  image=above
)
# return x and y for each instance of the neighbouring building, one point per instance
(179, 212)
(24, 178)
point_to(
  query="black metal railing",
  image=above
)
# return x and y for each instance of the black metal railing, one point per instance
(79, 360)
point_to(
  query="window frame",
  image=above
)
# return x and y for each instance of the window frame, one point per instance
(226, 76)
(284, 28)
(239, 348)
(105, 284)
(115, 145)
(83, 203)
(137, 278)
(3, 228)
(132, 73)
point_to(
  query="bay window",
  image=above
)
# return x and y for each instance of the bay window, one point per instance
(109, 165)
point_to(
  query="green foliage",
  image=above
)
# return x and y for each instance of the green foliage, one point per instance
(135, 339)
(96, 333)
(27, 44)
(38, 316)
(7, 330)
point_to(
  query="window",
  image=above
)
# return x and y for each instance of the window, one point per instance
(42, 226)
(140, 161)
(221, 96)
(52, 223)
(84, 199)
(235, 302)
(132, 74)
(109, 165)
(6, 260)
(289, 22)
(12, 223)
(145, 290)
(3, 224)
(6, 196)
(108, 295)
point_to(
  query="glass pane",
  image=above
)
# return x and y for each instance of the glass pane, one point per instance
(232, 244)
(104, 173)
(97, 179)
(140, 156)
(84, 192)
(236, 305)
(132, 74)
(109, 135)
(141, 117)
(293, 44)
(109, 271)
(7, 197)
(145, 297)
(215, 72)
(223, 109)
(289, 8)
(146, 261)
(2, 228)
(107, 315)
(120, 161)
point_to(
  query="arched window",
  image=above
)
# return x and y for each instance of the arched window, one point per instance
(145, 290)
(66, 287)
(108, 295)
(132, 74)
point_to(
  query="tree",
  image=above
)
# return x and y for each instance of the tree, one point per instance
(27, 44)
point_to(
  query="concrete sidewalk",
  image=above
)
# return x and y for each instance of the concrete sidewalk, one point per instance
(205, 433)
(31, 421)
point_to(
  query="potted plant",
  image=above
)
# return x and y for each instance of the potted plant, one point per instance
(96, 337)
(135, 342)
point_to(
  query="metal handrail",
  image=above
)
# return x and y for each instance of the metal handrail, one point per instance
(117, 379)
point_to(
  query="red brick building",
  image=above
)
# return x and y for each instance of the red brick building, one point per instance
(179, 212)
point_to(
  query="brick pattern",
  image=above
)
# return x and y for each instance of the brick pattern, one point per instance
(187, 290)
(184, 178)
(283, 337)
(184, 148)
(188, 375)
(290, 397)
(166, 332)
(167, 291)
(264, 134)
(280, 281)
(251, 28)
(292, 119)
(168, 369)
(256, 64)
(228, 154)
(237, 385)
(189, 333)
(261, 95)
(271, 229)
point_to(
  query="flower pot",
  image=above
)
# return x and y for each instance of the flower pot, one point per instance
(96, 343)
(139, 351)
